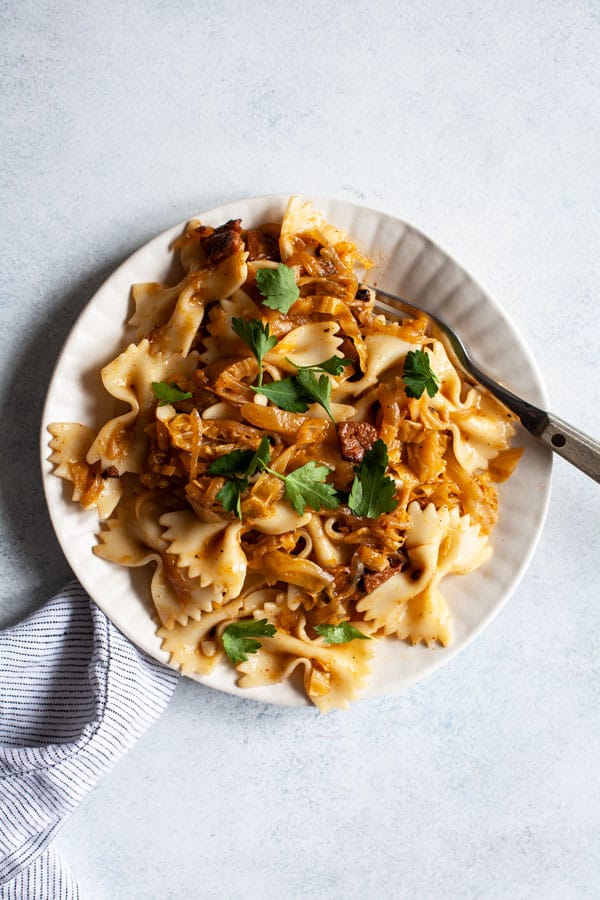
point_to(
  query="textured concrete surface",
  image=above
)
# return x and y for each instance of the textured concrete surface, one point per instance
(478, 122)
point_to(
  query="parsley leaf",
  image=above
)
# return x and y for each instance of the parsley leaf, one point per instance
(335, 365)
(255, 334)
(230, 495)
(286, 394)
(239, 466)
(295, 393)
(234, 463)
(278, 287)
(418, 375)
(341, 634)
(260, 458)
(306, 486)
(318, 391)
(236, 638)
(169, 393)
(372, 490)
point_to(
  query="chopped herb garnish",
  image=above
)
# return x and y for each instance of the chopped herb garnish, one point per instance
(287, 394)
(255, 334)
(230, 495)
(278, 287)
(295, 393)
(237, 638)
(306, 486)
(335, 365)
(341, 634)
(260, 458)
(169, 393)
(317, 391)
(238, 466)
(230, 464)
(372, 490)
(418, 375)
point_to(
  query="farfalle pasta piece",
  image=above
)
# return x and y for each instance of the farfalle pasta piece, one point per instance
(300, 221)
(480, 434)
(210, 551)
(132, 538)
(70, 444)
(409, 604)
(178, 598)
(122, 443)
(281, 518)
(199, 288)
(333, 674)
(154, 304)
(473, 546)
(480, 426)
(192, 647)
(383, 352)
(120, 541)
(220, 340)
(119, 544)
(172, 315)
(307, 345)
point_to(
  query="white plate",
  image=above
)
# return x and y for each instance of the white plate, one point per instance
(407, 263)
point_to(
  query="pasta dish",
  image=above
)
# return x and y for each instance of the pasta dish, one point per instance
(300, 471)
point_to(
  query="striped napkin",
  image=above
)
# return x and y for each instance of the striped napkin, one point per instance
(75, 694)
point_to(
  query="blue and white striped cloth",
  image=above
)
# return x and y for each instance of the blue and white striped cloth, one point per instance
(74, 696)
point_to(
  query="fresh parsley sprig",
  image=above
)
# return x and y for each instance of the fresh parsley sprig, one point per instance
(341, 634)
(260, 458)
(318, 391)
(238, 466)
(295, 393)
(306, 486)
(255, 334)
(278, 287)
(418, 376)
(230, 495)
(335, 365)
(169, 393)
(372, 490)
(237, 638)
(231, 464)
(286, 394)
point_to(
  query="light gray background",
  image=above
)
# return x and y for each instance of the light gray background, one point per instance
(480, 124)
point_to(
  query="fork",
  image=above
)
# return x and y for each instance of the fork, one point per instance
(573, 445)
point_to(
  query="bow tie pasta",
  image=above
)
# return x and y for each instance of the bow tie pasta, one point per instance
(298, 472)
